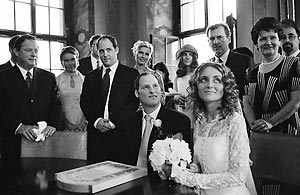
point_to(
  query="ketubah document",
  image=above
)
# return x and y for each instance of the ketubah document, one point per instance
(97, 177)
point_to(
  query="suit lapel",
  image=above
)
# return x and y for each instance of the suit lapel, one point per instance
(118, 78)
(20, 82)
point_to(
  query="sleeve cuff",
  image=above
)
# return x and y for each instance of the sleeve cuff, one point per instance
(17, 129)
(96, 122)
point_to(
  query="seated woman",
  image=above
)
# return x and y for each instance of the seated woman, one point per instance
(221, 145)
(69, 89)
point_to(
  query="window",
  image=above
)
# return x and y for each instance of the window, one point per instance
(42, 18)
(196, 15)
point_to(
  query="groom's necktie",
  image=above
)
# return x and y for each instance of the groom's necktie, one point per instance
(142, 158)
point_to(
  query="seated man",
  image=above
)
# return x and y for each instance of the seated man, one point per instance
(139, 130)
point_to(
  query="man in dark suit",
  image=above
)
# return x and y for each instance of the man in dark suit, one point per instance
(13, 58)
(290, 39)
(219, 37)
(107, 97)
(134, 128)
(28, 95)
(93, 61)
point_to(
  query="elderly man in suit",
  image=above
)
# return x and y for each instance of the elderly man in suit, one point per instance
(13, 58)
(28, 95)
(290, 39)
(107, 97)
(93, 61)
(137, 136)
(219, 37)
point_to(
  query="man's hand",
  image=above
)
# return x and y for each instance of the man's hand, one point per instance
(49, 130)
(27, 132)
(105, 125)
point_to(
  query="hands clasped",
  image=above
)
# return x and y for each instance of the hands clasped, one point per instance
(36, 133)
(105, 125)
(260, 125)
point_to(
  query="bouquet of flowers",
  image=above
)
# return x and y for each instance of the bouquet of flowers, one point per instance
(171, 151)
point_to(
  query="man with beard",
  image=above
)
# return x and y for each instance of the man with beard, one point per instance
(290, 38)
(219, 37)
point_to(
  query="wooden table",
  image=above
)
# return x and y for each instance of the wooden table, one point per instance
(36, 176)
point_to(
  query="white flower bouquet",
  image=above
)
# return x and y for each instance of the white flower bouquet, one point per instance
(170, 151)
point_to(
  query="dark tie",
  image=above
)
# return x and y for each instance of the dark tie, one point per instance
(98, 64)
(219, 60)
(28, 80)
(106, 82)
(142, 158)
(72, 82)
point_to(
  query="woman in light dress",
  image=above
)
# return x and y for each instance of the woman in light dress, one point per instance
(187, 62)
(221, 146)
(69, 89)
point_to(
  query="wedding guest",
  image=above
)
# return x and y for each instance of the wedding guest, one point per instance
(142, 52)
(69, 89)
(107, 98)
(142, 128)
(219, 38)
(272, 93)
(28, 95)
(187, 57)
(221, 146)
(290, 39)
(93, 61)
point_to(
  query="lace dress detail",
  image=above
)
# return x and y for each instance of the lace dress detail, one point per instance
(221, 150)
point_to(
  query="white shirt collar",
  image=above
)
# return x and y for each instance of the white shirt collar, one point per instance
(24, 72)
(113, 68)
(12, 63)
(224, 57)
(154, 113)
(295, 53)
(94, 62)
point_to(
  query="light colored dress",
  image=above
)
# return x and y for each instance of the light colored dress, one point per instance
(221, 151)
(69, 93)
(182, 86)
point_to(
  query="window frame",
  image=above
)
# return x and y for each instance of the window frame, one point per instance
(67, 25)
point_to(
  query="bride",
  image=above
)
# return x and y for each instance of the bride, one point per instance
(221, 145)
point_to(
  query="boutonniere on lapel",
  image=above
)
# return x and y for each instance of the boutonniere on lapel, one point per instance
(157, 123)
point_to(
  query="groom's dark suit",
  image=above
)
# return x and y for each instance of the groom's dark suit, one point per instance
(172, 122)
(19, 105)
(122, 101)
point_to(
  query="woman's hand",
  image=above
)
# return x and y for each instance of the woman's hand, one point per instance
(260, 125)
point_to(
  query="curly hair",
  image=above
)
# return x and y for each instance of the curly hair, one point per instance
(230, 99)
(137, 45)
(266, 24)
(181, 71)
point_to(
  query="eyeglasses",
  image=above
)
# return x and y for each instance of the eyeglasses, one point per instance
(290, 37)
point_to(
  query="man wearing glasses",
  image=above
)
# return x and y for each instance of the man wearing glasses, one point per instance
(219, 38)
(290, 38)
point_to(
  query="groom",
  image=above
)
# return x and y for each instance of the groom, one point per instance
(153, 121)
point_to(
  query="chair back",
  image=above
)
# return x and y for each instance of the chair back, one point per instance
(276, 156)
(62, 144)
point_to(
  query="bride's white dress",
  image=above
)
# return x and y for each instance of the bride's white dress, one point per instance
(221, 149)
